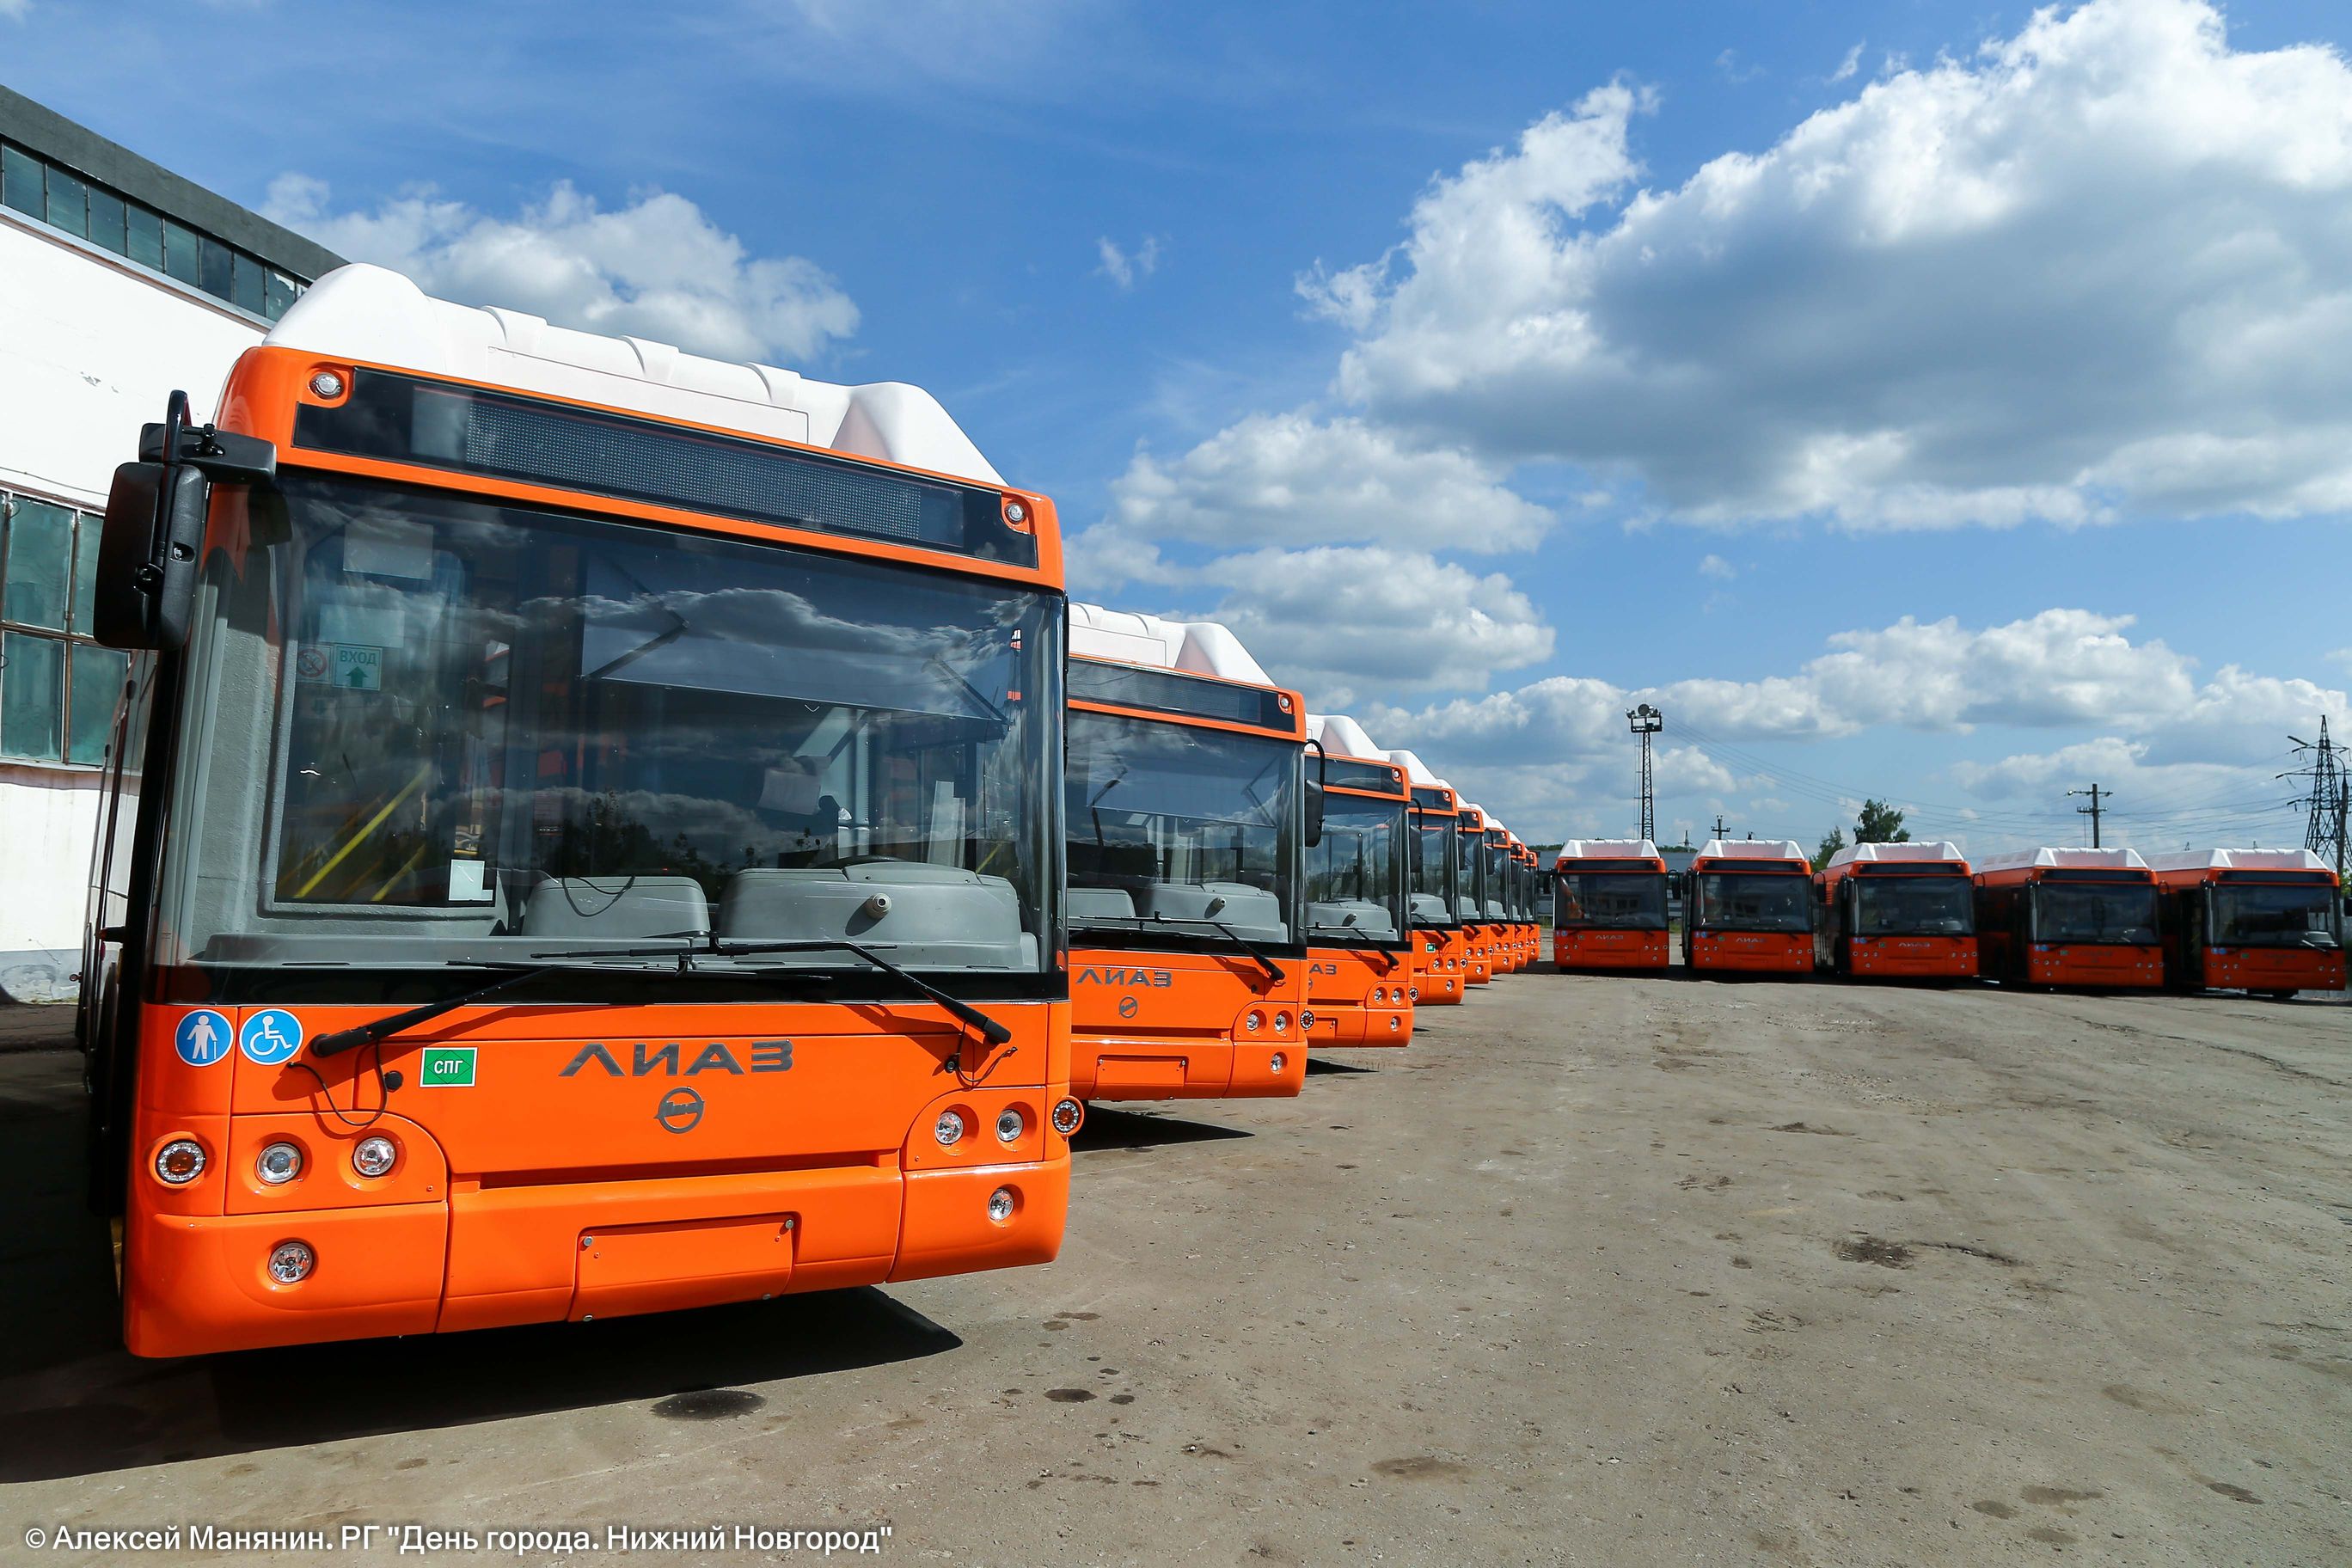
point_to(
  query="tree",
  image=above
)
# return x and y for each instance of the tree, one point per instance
(1831, 842)
(1880, 824)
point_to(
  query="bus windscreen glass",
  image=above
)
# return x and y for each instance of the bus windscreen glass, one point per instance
(2121, 912)
(1915, 906)
(1754, 901)
(1605, 900)
(2277, 915)
(444, 732)
(1432, 871)
(1179, 824)
(1355, 881)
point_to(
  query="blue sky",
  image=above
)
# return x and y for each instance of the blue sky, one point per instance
(1711, 353)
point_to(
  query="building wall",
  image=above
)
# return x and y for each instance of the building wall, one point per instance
(90, 347)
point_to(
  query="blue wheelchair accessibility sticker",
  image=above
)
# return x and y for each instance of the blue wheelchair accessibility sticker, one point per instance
(203, 1037)
(270, 1037)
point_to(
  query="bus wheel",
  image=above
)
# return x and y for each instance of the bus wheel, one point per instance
(2280, 995)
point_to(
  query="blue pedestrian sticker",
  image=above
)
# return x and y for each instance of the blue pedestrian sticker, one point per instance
(270, 1037)
(203, 1037)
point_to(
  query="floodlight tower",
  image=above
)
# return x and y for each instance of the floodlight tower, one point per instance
(1647, 721)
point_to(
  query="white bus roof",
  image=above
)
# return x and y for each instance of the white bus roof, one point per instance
(1609, 849)
(2238, 860)
(375, 315)
(1872, 853)
(1343, 737)
(1752, 849)
(2073, 860)
(1196, 648)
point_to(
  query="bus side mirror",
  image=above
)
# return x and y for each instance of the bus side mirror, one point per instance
(147, 553)
(146, 587)
(1314, 815)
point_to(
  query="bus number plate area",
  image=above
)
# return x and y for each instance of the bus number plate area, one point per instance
(691, 1263)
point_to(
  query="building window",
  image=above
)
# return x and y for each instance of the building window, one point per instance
(58, 685)
(64, 201)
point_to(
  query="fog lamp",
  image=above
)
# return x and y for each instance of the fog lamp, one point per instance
(180, 1161)
(1000, 1205)
(290, 1261)
(326, 384)
(1276, 1064)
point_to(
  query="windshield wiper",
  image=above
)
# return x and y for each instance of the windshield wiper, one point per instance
(1272, 970)
(378, 1030)
(1342, 936)
(994, 1033)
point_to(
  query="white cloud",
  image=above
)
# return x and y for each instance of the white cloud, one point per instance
(2100, 267)
(1848, 66)
(1716, 568)
(655, 268)
(1123, 267)
(2176, 739)
(16, 10)
(1289, 478)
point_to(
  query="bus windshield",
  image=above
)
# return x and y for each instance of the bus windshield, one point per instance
(1469, 880)
(1611, 901)
(2122, 912)
(1754, 901)
(428, 731)
(2306, 914)
(1177, 822)
(1493, 884)
(1915, 906)
(1431, 878)
(1355, 874)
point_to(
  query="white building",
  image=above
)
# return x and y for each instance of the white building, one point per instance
(123, 282)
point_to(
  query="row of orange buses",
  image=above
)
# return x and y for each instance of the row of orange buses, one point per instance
(593, 830)
(2253, 920)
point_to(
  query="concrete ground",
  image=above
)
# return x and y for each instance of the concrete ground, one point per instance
(1600, 1270)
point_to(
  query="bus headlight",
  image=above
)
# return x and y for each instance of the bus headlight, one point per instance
(278, 1165)
(1251, 1023)
(1067, 1115)
(1010, 1126)
(949, 1129)
(290, 1262)
(374, 1157)
(1281, 1023)
(180, 1161)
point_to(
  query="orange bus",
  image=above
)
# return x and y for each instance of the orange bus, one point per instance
(1750, 909)
(1897, 911)
(578, 840)
(1470, 897)
(1530, 879)
(1609, 905)
(2251, 919)
(1441, 953)
(2082, 918)
(1187, 812)
(1359, 931)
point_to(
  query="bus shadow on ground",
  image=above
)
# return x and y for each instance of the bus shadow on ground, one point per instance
(1107, 1127)
(1319, 1067)
(79, 1405)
